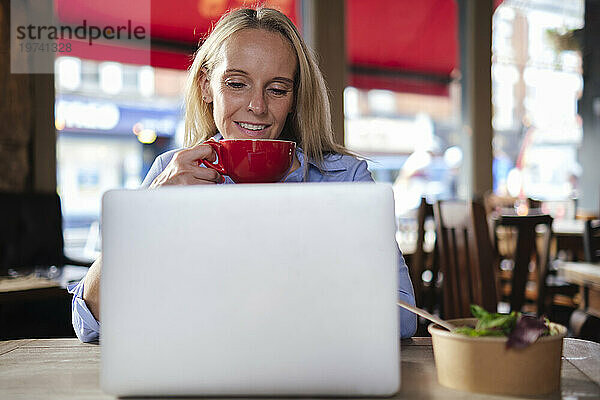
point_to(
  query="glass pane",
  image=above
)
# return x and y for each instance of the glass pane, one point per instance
(112, 120)
(536, 83)
(410, 140)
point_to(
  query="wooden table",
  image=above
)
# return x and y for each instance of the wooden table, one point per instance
(36, 303)
(67, 369)
(587, 276)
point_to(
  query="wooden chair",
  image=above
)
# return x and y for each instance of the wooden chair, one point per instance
(583, 324)
(503, 237)
(467, 258)
(31, 234)
(591, 241)
(547, 285)
(423, 260)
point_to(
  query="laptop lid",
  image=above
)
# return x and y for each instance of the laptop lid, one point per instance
(283, 289)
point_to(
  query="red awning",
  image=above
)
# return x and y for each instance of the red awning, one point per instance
(176, 26)
(404, 35)
(177, 21)
(402, 45)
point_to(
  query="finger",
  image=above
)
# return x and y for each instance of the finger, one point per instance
(192, 175)
(208, 174)
(198, 152)
(189, 179)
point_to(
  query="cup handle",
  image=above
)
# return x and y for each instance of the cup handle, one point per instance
(217, 166)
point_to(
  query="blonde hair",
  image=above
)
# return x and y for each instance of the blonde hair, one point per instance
(309, 123)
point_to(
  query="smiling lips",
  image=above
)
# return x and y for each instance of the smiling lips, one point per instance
(254, 130)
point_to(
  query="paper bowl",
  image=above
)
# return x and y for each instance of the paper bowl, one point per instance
(484, 365)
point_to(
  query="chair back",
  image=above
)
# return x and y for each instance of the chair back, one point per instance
(31, 233)
(419, 262)
(591, 241)
(467, 258)
(526, 235)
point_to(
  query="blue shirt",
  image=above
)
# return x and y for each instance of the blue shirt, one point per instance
(336, 168)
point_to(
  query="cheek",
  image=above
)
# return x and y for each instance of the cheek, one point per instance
(229, 104)
(284, 109)
(219, 110)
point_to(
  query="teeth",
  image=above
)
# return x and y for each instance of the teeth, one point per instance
(252, 127)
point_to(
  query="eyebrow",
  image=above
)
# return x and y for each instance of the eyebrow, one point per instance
(277, 78)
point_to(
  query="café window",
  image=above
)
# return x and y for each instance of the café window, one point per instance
(409, 140)
(536, 83)
(402, 104)
(112, 120)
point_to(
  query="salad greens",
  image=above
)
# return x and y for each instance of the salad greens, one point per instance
(521, 330)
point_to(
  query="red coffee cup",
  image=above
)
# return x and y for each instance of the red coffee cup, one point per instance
(252, 160)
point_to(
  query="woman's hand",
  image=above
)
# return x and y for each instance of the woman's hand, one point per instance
(183, 169)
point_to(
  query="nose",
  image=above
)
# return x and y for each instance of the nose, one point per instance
(257, 104)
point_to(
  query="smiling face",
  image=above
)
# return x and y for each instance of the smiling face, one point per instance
(252, 88)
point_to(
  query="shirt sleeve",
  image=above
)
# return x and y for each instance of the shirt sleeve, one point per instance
(85, 325)
(408, 320)
(155, 170)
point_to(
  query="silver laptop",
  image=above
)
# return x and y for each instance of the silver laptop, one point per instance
(283, 289)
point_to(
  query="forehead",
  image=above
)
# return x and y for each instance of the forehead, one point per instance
(260, 52)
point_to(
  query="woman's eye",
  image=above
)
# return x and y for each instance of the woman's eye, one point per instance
(235, 85)
(278, 92)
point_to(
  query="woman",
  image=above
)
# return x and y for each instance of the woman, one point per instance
(253, 77)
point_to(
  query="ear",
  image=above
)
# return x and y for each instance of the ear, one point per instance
(207, 96)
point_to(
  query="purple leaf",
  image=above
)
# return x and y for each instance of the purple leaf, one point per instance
(527, 331)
